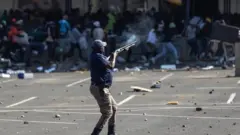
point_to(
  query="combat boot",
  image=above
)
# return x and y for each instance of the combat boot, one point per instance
(111, 130)
(96, 131)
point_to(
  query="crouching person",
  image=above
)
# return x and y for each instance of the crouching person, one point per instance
(170, 32)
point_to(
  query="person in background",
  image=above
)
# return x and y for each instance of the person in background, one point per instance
(151, 47)
(98, 32)
(170, 33)
(13, 31)
(64, 42)
(204, 37)
(80, 39)
(111, 20)
(52, 35)
(192, 41)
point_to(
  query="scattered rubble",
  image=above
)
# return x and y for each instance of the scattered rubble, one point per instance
(198, 109)
(210, 92)
(25, 122)
(173, 103)
(57, 116)
(156, 85)
(208, 68)
(140, 89)
(168, 67)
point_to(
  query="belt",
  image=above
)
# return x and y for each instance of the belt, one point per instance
(100, 85)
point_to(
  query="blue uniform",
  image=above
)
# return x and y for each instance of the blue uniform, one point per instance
(100, 73)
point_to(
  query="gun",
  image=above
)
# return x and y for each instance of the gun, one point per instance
(124, 48)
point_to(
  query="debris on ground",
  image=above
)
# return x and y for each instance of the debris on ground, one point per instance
(145, 119)
(229, 76)
(57, 116)
(198, 109)
(210, 92)
(172, 86)
(168, 67)
(183, 126)
(5, 76)
(135, 69)
(156, 85)
(120, 94)
(208, 68)
(25, 76)
(140, 89)
(25, 122)
(173, 103)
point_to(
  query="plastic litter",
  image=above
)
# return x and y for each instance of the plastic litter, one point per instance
(135, 69)
(168, 67)
(40, 69)
(5, 75)
(208, 68)
(25, 75)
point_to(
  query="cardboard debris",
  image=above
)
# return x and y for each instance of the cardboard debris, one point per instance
(140, 89)
(173, 103)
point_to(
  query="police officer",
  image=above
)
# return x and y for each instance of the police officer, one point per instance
(101, 81)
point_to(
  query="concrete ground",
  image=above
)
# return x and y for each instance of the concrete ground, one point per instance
(37, 101)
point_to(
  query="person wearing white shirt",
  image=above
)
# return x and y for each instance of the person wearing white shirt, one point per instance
(150, 49)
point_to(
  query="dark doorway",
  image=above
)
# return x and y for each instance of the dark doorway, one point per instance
(204, 8)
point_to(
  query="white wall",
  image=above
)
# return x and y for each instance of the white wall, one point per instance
(6, 4)
(153, 3)
(81, 4)
(235, 6)
(221, 5)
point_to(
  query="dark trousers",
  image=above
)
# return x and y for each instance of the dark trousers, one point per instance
(39, 47)
(13, 47)
(194, 47)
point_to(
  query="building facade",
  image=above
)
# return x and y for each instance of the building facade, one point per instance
(224, 6)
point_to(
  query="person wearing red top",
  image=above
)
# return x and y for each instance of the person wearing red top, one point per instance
(12, 32)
